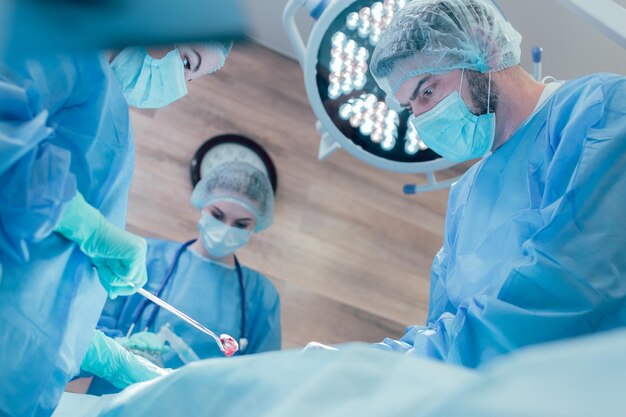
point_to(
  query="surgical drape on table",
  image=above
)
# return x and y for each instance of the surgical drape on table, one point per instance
(577, 378)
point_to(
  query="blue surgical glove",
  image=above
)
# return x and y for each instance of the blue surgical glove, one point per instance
(111, 361)
(119, 256)
(144, 341)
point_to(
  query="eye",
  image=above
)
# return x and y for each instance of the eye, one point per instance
(241, 225)
(427, 92)
(217, 215)
(186, 63)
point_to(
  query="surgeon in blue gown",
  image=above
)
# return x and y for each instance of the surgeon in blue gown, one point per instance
(235, 199)
(67, 158)
(535, 239)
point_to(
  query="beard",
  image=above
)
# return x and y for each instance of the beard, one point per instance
(478, 85)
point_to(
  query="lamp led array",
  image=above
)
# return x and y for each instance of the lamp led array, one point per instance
(412, 142)
(348, 66)
(370, 22)
(373, 119)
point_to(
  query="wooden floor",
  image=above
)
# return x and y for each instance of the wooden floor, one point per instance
(348, 252)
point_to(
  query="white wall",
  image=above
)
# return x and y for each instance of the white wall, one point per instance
(267, 24)
(572, 47)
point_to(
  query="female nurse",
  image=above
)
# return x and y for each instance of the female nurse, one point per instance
(204, 279)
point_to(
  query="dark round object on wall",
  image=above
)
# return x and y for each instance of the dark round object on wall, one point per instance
(195, 167)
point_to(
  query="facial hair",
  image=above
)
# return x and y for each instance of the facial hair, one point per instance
(478, 85)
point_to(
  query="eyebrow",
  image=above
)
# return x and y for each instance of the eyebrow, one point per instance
(243, 219)
(416, 90)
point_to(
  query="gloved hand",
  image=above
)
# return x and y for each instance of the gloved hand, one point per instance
(109, 360)
(144, 341)
(119, 256)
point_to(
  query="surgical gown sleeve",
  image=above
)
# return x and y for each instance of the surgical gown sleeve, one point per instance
(264, 330)
(35, 176)
(568, 278)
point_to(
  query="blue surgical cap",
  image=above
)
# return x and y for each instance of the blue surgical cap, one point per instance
(436, 36)
(240, 183)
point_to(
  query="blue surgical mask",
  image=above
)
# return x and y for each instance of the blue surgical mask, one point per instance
(454, 132)
(147, 82)
(219, 239)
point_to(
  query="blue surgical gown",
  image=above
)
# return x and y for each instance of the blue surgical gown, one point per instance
(206, 291)
(64, 128)
(535, 237)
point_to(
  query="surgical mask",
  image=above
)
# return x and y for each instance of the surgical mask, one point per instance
(454, 132)
(219, 239)
(147, 82)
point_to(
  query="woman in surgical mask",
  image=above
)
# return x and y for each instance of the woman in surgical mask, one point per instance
(203, 278)
(156, 77)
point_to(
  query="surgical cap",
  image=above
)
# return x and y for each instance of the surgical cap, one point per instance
(242, 184)
(436, 36)
(221, 47)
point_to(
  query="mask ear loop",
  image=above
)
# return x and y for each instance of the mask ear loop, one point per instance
(489, 95)
(461, 86)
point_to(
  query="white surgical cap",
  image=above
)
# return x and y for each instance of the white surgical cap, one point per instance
(436, 36)
(240, 183)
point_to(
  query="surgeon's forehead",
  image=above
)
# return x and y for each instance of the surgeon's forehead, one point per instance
(408, 87)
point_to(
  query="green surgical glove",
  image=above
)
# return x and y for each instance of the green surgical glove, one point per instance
(119, 256)
(109, 360)
(144, 341)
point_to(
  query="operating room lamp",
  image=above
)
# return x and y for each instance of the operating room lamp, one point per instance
(353, 112)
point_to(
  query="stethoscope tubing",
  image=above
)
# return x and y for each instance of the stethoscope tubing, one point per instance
(167, 277)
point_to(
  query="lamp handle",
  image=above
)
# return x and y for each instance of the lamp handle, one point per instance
(289, 21)
(432, 184)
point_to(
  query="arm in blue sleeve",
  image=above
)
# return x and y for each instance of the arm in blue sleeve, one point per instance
(35, 176)
(265, 328)
(569, 280)
(108, 323)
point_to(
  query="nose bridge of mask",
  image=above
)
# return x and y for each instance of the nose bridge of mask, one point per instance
(220, 239)
(215, 229)
(451, 107)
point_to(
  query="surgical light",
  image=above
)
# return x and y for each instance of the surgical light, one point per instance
(353, 112)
